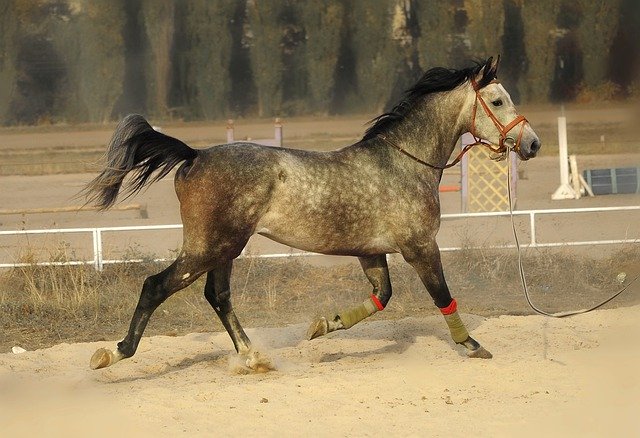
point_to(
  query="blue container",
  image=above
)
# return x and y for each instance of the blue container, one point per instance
(613, 181)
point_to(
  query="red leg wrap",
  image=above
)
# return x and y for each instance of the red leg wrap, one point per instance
(451, 308)
(377, 302)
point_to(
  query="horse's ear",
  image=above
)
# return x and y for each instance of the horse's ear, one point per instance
(494, 66)
(488, 72)
(490, 69)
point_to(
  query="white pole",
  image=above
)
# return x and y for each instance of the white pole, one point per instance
(96, 260)
(565, 191)
(278, 132)
(99, 244)
(230, 131)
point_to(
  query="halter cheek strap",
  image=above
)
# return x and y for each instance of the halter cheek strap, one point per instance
(502, 129)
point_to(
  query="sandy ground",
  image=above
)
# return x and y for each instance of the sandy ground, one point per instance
(548, 377)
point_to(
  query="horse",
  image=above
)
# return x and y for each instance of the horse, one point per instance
(375, 197)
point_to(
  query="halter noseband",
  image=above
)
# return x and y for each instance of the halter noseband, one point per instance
(506, 142)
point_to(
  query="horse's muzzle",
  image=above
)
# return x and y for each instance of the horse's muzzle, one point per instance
(527, 151)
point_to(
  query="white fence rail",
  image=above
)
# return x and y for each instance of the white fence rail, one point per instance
(99, 262)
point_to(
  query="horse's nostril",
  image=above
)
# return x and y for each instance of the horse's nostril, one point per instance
(535, 146)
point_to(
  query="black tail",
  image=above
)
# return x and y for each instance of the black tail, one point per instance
(135, 147)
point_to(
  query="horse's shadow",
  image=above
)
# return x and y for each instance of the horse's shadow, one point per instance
(184, 364)
(403, 335)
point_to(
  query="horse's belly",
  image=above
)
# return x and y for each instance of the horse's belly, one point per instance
(329, 243)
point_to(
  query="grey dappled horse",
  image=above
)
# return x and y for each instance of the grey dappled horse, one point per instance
(375, 197)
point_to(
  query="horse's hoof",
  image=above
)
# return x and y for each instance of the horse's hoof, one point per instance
(259, 362)
(480, 353)
(102, 358)
(250, 361)
(318, 328)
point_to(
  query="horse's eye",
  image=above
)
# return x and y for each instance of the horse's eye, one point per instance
(497, 102)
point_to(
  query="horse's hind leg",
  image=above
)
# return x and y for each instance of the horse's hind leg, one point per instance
(377, 272)
(426, 261)
(217, 291)
(155, 290)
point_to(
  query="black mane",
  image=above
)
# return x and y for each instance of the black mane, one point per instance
(434, 80)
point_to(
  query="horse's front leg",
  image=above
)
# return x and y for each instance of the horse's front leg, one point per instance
(377, 272)
(426, 261)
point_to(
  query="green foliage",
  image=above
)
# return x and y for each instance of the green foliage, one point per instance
(435, 18)
(513, 61)
(595, 34)
(207, 29)
(485, 27)
(101, 58)
(75, 61)
(265, 39)
(377, 54)
(539, 19)
(158, 18)
(323, 28)
(8, 30)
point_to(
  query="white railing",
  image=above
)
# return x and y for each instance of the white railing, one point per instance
(98, 261)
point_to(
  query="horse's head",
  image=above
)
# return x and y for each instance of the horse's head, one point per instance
(494, 117)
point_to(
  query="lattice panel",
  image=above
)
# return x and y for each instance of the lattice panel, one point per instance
(487, 182)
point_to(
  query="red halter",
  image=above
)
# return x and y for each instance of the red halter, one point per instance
(503, 129)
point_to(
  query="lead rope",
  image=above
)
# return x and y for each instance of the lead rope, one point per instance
(523, 280)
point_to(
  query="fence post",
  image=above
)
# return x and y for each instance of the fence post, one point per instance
(230, 135)
(96, 262)
(100, 261)
(532, 223)
(278, 132)
(97, 249)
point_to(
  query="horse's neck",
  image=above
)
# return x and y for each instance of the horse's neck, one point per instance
(431, 131)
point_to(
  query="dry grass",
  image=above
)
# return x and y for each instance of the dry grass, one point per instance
(42, 306)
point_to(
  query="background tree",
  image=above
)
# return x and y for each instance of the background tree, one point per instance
(101, 58)
(8, 33)
(595, 34)
(485, 27)
(624, 53)
(539, 18)
(37, 64)
(207, 57)
(90, 61)
(323, 30)
(436, 22)
(265, 19)
(158, 17)
(295, 76)
(514, 60)
(376, 54)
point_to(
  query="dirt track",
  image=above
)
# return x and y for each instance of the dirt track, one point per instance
(568, 377)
